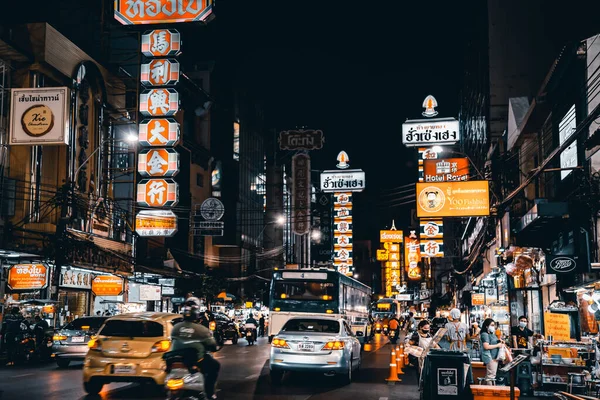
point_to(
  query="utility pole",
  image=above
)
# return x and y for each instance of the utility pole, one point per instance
(60, 237)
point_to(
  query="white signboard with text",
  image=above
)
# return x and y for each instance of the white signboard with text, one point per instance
(429, 132)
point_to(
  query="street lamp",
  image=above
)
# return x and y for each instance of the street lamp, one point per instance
(130, 138)
(279, 221)
(316, 235)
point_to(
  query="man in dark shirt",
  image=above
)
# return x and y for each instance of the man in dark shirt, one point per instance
(11, 327)
(521, 335)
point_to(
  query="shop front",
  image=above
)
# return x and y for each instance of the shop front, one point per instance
(108, 293)
(74, 293)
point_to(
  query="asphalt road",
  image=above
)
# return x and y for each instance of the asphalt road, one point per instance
(244, 376)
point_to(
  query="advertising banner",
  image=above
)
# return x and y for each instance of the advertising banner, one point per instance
(453, 199)
(150, 293)
(75, 278)
(107, 285)
(27, 277)
(39, 116)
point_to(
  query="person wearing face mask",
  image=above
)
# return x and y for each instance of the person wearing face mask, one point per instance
(490, 345)
(522, 337)
(421, 338)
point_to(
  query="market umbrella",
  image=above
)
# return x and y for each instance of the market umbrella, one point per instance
(226, 296)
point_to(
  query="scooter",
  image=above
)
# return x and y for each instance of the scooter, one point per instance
(250, 333)
(180, 383)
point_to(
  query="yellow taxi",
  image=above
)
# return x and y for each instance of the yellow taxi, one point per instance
(129, 348)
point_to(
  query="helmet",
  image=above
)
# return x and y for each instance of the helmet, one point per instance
(190, 313)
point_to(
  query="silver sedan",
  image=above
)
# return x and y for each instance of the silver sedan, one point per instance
(315, 344)
(70, 343)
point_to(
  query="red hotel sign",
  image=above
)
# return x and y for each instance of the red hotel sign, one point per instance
(139, 12)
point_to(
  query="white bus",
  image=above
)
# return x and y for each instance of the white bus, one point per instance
(307, 292)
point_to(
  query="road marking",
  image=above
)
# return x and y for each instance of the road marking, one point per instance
(21, 376)
(243, 352)
(383, 398)
(252, 376)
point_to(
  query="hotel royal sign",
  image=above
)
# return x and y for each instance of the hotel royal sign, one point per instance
(140, 12)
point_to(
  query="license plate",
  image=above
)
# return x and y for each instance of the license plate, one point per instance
(124, 369)
(77, 339)
(306, 346)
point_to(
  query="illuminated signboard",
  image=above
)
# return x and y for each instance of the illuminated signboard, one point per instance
(160, 72)
(142, 12)
(453, 199)
(446, 170)
(150, 223)
(158, 162)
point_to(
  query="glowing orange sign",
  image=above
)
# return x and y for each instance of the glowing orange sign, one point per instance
(27, 277)
(453, 199)
(107, 285)
(140, 12)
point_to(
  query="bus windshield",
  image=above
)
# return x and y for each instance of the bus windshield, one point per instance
(304, 290)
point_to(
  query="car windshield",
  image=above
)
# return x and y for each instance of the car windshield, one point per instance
(311, 325)
(84, 324)
(123, 328)
(304, 290)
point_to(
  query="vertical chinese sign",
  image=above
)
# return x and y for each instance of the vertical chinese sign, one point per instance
(432, 237)
(343, 183)
(342, 233)
(158, 161)
(390, 256)
(412, 255)
(301, 194)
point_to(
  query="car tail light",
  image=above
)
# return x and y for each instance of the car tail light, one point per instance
(58, 338)
(335, 345)
(329, 311)
(212, 325)
(280, 343)
(94, 344)
(161, 346)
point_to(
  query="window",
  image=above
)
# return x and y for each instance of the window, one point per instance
(92, 324)
(311, 325)
(566, 128)
(199, 180)
(295, 290)
(132, 329)
(236, 141)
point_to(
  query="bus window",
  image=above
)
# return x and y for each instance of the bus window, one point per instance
(298, 290)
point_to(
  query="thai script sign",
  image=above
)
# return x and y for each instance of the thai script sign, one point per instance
(391, 236)
(301, 140)
(107, 285)
(453, 199)
(352, 180)
(139, 12)
(429, 132)
(27, 277)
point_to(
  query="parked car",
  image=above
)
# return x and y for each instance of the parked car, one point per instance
(315, 344)
(129, 348)
(70, 343)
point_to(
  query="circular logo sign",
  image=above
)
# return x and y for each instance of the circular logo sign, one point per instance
(212, 209)
(431, 199)
(563, 264)
(37, 120)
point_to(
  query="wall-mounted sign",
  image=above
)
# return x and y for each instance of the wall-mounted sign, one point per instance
(212, 209)
(342, 227)
(342, 240)
(432, 248)
(412, 256)
(301, 140)
(27, 277)
(432, 228)
(141, 12)
(75, 278)
(446, 170)
(39, 116)
(158, 132)
(429, 132)
(404, 297)
(160, 72)
(161, 43)
(558, 326)
(158, 162)
(301, 192)
(352, 180)
(342, 212)
(208, 228)
(107, 285)
(342, 255)
(157, 192)
(391, 236)
(159, 102)
(477, 299)
(561, 264)
(382, 255)
(453, 199)
(151, 223)
(150, 293)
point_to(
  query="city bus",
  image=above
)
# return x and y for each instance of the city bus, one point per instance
(318, 291)
(386, 307)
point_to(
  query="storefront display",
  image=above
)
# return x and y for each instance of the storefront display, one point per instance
(74, 293)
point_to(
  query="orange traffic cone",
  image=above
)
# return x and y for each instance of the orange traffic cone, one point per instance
(393, 378)
(399, 361)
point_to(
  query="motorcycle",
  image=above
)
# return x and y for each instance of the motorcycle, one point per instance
(217, 332)
(386, 330)
(393, 337)
(378, 328)
(25, 347)
(180, 382)
(250, 333)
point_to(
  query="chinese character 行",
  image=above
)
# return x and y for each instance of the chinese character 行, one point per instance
(157, 188)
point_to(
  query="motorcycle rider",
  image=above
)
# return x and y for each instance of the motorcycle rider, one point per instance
(188, 336)
(252, 321)
(40, 328)
(11, 328)
(395, 326)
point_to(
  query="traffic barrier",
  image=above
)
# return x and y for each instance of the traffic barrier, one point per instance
(399, 360)
(393, 378)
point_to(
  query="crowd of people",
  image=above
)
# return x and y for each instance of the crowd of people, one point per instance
(14, 326)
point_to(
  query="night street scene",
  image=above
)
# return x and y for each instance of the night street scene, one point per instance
(295, 200)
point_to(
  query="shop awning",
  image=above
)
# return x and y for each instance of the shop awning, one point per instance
(9, 255)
